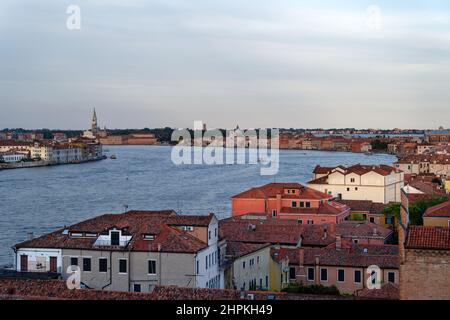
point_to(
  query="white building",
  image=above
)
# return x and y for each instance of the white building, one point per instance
(10, 157)
(378, 183)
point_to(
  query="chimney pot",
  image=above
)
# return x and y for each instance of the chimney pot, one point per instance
(30, 235)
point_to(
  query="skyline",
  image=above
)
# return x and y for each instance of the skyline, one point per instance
(296, 64)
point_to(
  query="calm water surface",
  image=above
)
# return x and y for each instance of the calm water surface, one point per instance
(40, 200)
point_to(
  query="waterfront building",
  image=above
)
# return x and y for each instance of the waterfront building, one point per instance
(10, 157)
(133, 251)
(437, 164)
(378, 183)
(65, 153)
(348, 267)
(289, 201)
(436, 136)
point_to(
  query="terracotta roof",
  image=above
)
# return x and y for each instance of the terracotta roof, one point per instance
(440, 210)
(240, 249)
(325, 208)
(271, 190)
(181, 293)
(288, 232)
(57, 290)
(133, 223)
(433, 238)
(384, 256)
(358, 169)
(364, 206)
(418, 158)
(388, 291)
(13, 143)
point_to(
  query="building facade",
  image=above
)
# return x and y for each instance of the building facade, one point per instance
(378, 183)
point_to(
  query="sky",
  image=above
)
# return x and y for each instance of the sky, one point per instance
(256, 63)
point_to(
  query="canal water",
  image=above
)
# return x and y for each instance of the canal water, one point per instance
(40, 200)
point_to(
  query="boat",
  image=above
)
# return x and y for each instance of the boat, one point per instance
(113, 157)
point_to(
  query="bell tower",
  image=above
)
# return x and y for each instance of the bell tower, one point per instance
(94, 127)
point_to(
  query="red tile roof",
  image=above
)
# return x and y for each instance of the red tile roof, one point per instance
(440, 210)
(288, 232)
(272, 189)
(358, 169)
(384, 256)
(432, 238)
(364, 206)
(34, 289)
(418, 158)
(133, 223)
(240, 249)
(388, 291)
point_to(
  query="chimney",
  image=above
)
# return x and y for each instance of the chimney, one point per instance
(30, 235)
(375, 232)
(159, 247)
(278, 202)
(301, 257)
(325, 233)
(338, 242)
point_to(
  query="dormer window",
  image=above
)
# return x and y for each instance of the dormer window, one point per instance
(91, 235)
(76, 234)
(149, 237)
(188, 228)
(115, 238)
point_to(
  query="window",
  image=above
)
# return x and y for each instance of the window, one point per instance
(356, 188)
(292, 273)
(122, 266)
(274, 213)
(115, 238)
(388, 220)
(209, 235)
(341, 275)
(357, 276)
(299, 221)
(391, 277)
(149, 237)
(74, 261)
(206, 265)
(348, 189)
(198, 267)
(372, 219)
(355, 241)
(294, 204)
(243, 265)
(310, 221)
(352, 180)
(374, 277)
(102, 265)
(137, 287)
(257, 259)
(87, 264)
(151, 266)
(311, 274)
(308, 204)
(267, 281)
(302, 204)
(323, 274)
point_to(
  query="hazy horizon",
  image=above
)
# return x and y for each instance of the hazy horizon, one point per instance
(274, 64)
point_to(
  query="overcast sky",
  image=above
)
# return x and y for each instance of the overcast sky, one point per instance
(256, 63)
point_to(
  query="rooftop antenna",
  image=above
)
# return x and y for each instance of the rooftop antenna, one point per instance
(125, 208)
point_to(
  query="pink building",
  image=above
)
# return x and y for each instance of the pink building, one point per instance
(291, 201)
